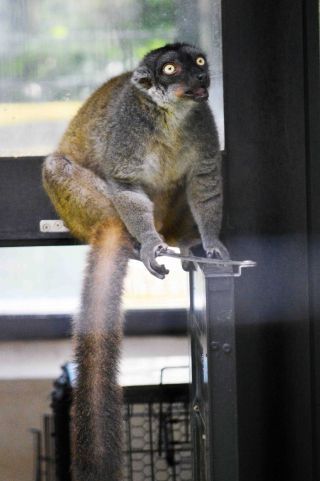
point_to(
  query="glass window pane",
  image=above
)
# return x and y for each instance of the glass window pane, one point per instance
(47, 280)
(54, 53)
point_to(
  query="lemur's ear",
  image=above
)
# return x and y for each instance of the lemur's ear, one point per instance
(142, 77)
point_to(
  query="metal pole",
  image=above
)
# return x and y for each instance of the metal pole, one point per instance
(214, 413)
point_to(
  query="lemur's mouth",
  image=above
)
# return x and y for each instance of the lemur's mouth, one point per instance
(198, 94)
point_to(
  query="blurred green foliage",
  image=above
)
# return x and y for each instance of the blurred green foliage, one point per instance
(74, 45)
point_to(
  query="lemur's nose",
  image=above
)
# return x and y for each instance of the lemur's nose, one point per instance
(201, 75)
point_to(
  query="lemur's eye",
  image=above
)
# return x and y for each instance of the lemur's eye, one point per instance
(169, 69)
(200, 61)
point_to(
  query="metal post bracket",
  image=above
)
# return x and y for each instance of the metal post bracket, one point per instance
(219, 267)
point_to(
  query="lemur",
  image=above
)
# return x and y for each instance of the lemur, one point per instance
(138, 169)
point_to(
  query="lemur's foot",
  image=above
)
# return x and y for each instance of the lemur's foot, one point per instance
(148, 253)
(217, 251)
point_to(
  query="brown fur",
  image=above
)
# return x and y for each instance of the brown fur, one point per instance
(97, 435)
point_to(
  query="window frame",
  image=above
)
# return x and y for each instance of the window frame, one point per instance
(34, 205)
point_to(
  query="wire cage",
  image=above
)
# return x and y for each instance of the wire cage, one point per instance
(156, 431)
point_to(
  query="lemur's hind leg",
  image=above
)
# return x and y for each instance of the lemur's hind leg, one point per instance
(80, 197)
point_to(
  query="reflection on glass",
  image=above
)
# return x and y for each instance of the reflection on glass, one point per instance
(53, 54)
(47, 280)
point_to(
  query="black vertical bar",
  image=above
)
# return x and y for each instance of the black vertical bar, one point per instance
(129, 442)
(151, 441)
(47, 448)
(37, 460)
(52, 450)
(186, 421)
(312, 112)
(222, 390)
(198, 393)
(215, 402)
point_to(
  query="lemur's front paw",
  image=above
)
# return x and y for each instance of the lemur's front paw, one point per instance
(148, 253)
(217, 250)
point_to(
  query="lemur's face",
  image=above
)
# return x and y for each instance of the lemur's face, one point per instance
(174, 73)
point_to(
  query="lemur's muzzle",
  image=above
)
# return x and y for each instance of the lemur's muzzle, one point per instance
(198, 94)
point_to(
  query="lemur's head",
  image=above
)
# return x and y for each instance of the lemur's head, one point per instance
(174, 73)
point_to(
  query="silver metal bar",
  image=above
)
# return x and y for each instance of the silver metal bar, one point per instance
(227, 266)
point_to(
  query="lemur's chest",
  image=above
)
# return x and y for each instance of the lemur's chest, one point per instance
(165, 164)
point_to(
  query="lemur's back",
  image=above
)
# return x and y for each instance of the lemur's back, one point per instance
(77, 142)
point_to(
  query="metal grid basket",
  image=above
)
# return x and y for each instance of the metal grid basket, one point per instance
(156, 431)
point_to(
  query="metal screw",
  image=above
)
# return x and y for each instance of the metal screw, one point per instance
(215, 345)
(226, 348)
(196, 408)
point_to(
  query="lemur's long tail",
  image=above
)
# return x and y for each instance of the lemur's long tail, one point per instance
(97, 414)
